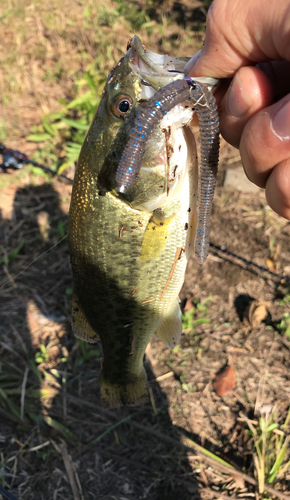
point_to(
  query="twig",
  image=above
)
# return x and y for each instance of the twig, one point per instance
(22, 400)
(203, 474)
(110, 429)
(176, 259)
(152, 400)
(36, 448)
(133, 293)
(8, 348)
(19, 338)
(164, 376)
(217, 494)
(64, 398)
(7, 415)
(62, 448)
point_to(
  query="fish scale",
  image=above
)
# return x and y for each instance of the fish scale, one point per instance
(118, 259)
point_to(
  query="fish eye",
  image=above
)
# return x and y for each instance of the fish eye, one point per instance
(122, 105)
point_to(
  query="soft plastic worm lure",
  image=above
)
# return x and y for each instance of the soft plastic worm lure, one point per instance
(148, 117)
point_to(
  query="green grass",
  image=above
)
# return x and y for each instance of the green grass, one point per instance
(188, 321)
(59, 133)
(65, 130)
(7, 259)
(284, 325)
(286, 298)
(271, 444)
(41, 384)
(86, 352)
(42, 355)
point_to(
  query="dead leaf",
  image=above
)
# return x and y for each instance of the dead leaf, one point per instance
(188, 305)
(239, 482)
(225, 381)
(271, 265)
(256, 312)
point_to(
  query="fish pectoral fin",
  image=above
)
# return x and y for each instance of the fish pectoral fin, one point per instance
(131, 394)
(155, 235)
(81, 327)
(170, 329)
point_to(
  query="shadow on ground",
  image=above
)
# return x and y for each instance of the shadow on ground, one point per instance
(51, 422)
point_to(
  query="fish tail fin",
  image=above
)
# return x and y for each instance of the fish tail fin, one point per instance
(131, 394)
(81, 327)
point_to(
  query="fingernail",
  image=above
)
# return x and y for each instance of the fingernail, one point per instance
(191, 63)
(281, 121)
(238, 102)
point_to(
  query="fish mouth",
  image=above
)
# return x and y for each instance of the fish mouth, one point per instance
(169, 152)
(157, 70)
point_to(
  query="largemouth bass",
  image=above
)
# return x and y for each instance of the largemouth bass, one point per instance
(129, 248)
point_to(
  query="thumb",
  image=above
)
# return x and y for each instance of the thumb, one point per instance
(240, 33)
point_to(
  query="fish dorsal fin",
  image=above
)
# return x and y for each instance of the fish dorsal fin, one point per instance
(81, 327)
(170, 329)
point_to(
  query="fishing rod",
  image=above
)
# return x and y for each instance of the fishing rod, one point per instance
(6, 494)
(12, 158)
(282, 279)
(16, 160)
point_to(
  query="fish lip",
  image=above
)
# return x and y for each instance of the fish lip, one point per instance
(144, 55)
(139, 57)
(142, 64)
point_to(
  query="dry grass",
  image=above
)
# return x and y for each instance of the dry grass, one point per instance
(46, 47)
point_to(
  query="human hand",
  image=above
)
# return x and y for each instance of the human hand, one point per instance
(254, 101)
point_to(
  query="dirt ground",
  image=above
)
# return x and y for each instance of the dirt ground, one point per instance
(56, 442)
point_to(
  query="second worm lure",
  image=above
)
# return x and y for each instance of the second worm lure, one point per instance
(148, 117)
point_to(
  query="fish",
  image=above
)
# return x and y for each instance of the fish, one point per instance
(129, 247)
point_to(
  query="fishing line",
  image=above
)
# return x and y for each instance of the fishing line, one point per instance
(223, 249)
(33, 262)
